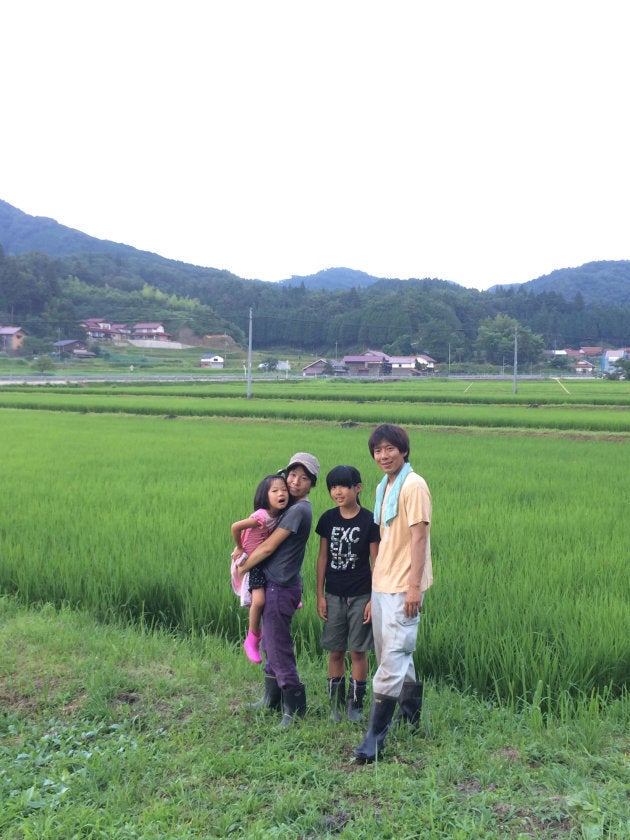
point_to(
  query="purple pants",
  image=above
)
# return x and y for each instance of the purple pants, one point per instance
(277, 643)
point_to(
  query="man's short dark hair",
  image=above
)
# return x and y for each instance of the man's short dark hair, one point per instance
(395, 435)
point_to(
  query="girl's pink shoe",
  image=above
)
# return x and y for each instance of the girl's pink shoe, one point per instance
(299, 606)
(251, 645)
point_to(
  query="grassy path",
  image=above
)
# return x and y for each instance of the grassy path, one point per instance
(108, 732)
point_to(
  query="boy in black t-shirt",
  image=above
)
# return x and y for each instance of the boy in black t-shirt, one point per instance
(348, 546)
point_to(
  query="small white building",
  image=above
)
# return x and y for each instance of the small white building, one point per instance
(584, 367)
(212, 361)
(412, 363)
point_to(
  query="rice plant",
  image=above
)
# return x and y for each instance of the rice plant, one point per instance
(129, 516)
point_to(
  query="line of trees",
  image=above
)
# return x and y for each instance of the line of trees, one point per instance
(48, 297)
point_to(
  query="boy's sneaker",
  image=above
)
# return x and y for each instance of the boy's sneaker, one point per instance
(251, 645)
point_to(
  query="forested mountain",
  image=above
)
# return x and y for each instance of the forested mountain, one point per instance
(49, 292)
(606, 281)
(21, 233)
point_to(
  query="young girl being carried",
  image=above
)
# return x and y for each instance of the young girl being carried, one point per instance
(270, 500)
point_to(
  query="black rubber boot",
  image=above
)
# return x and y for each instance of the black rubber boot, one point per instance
(381, 715)
(337, 695)
(354, 703)
(271, 696)
(293, 703)
(410, 702)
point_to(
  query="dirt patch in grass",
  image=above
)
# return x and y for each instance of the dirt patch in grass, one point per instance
(13, 700)
(521, 822)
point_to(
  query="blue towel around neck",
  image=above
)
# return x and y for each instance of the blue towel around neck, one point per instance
(391, 505)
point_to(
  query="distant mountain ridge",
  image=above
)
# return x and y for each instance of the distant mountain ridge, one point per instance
(587, 280)
(333, 278)
(21, 233)
(343, 279)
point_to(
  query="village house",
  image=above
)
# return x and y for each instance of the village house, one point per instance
(150, 330)
(585, 360)
(73, 347)
(212, 361)
(611, 356)
(315, 368)
(322, 366)
(412, 364)
(568, 355)
(11, 339)
(376, 363)
(368, 364)
(585, 367)
(100, 329)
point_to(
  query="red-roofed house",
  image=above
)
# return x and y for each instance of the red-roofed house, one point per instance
(103, 330)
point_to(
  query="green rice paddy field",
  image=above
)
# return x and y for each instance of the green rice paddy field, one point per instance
(118, 500)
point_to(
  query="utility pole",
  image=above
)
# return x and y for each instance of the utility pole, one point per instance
(462, 332)
(515, 355)
(249, 358)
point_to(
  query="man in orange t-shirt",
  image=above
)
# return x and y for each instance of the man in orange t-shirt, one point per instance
(401, 575)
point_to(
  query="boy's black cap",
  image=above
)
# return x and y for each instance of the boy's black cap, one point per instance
(343, 476)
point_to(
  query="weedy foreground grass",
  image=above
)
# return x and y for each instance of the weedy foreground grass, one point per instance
(108, 731)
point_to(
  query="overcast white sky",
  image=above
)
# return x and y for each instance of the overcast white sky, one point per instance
(480, 142)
